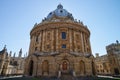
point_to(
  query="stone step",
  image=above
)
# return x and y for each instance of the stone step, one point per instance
(67, 77)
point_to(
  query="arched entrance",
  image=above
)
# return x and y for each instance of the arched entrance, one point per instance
(116, 71)
(64, 65)
(82, 67)
(31, 68)
(45, 67)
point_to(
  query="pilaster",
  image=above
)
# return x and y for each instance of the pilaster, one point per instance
(70, 40)
(43, 41)
(57, 38)
(52, 40)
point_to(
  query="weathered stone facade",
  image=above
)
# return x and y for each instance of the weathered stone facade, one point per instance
(109, 64)
(11, 65)
(59, 44)
(102, 65)
(113, 51)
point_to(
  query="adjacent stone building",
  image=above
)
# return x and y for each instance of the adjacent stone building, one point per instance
(11, 65)
(102, 65)
(59, 44)
(109, 64)
(113, 51)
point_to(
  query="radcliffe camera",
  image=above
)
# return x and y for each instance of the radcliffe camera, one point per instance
(60, 46)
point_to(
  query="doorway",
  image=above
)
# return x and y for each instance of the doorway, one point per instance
(93, 68)
(64, 65)
(116, 71)
(31, 68)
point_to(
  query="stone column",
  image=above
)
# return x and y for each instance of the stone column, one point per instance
(33, 45)
(82, 42)
(52, 40)
(34, 69)
(39, 68)
(89, 45)
(75, 45)
(40, 40)
(57, 43)
(88, 68)
(76, 68)
(38, 43)
(70, 39)
(85, 44)
(43, 40)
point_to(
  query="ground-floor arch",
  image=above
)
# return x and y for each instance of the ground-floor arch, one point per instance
(116, 71)
(58, 65)
(31, 64)
(45, 67)
(64, 66)
(82, 67)
(93, 68)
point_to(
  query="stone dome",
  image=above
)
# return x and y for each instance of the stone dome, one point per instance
(60, 13)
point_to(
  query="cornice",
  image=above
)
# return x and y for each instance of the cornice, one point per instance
(55, 25)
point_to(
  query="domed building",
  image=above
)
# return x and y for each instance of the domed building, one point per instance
(59, 45)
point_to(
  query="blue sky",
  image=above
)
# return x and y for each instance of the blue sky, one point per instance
(17, 18)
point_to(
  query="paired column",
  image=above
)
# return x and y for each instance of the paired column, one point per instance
(40, 41)
(57, 43)
(82, 42)
(43, 41)
(52, 40)
(70, 40)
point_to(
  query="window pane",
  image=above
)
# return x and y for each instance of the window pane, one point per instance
(63, 35)
(63, 46)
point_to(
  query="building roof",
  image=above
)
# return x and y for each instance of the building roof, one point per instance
(59, 13)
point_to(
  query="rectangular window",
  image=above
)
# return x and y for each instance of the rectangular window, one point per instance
(63, 35)
(63, 46)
